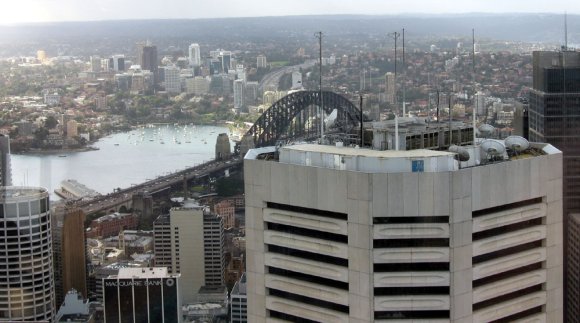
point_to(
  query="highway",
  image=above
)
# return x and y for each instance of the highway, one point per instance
(272, 79)
(109, 201)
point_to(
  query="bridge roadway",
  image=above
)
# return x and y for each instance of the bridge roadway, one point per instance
(112, 200)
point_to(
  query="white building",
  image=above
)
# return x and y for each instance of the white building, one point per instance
(240, 72)
(194, 55)
(239, 301)
(480, 104)
(172, 79)
(338, 234)
(261, 61)
(190, 241)
(26, 279)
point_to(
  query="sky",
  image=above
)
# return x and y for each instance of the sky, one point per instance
(23, 11)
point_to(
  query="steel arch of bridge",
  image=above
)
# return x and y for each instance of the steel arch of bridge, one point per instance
(286, 118)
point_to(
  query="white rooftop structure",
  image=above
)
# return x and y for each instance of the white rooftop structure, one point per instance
(151, 272)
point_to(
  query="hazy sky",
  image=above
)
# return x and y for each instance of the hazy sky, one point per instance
(17, 11)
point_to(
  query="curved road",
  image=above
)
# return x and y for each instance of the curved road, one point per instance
(273, 78)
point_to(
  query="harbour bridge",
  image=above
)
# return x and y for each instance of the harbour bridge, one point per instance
(293, 117)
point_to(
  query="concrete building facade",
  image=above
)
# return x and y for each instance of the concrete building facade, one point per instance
(189, 241)
(338, 234)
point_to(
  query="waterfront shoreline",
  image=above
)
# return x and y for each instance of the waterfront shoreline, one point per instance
(40, 151)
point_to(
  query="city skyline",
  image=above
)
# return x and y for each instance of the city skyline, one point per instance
(34, 11)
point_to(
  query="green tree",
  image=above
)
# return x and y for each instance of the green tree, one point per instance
(50, 122)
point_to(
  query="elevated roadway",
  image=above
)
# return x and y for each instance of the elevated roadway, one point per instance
(161, 183)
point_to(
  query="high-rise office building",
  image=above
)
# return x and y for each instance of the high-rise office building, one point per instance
(390, 89)
(96, 64)
(26, 277)
(190, 241)
(554, 102)
(480, 104)
(5, 169)
(118, 62)
(238, 94)
(147, 58)
(261, 61)
(142, 295)
(172, 79)
(194, 55)
(68, 245)
(337, 234)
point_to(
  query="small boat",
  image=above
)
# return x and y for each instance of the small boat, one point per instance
(62, 155)
(116, 144)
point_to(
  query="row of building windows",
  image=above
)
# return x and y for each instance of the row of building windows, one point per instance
(14, 210)
(304, 210)
(307, 255)
(410, 219)
(308, 300)
(307, 278)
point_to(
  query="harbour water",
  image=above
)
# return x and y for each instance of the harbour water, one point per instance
(122, 159)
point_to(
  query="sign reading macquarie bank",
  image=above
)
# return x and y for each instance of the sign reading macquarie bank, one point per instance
(142, 295)
(169, 282)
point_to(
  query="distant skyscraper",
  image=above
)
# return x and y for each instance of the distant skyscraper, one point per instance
(26, 277)
(337, 234)
(5, 169)
(194, 55)
(261, 61)
(241, 72)
(238, 94)
(554, 117)
(119, 63)
(142, 295)
(147, 58)
(480, 104)
(390, 89)
(190, 241)
(68, 239)
(172, 79)
(96, 64)
(226, 59)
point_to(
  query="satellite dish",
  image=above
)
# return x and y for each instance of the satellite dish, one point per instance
(493, 147)
(486, 130)
(517, 143)
(462, 153)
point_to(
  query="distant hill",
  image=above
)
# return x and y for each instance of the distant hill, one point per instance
(518, 27)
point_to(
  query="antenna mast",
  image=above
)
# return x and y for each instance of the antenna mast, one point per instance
(321, 107)
(565, 31)
(395, 36)
(404, 74)
(473, 81)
